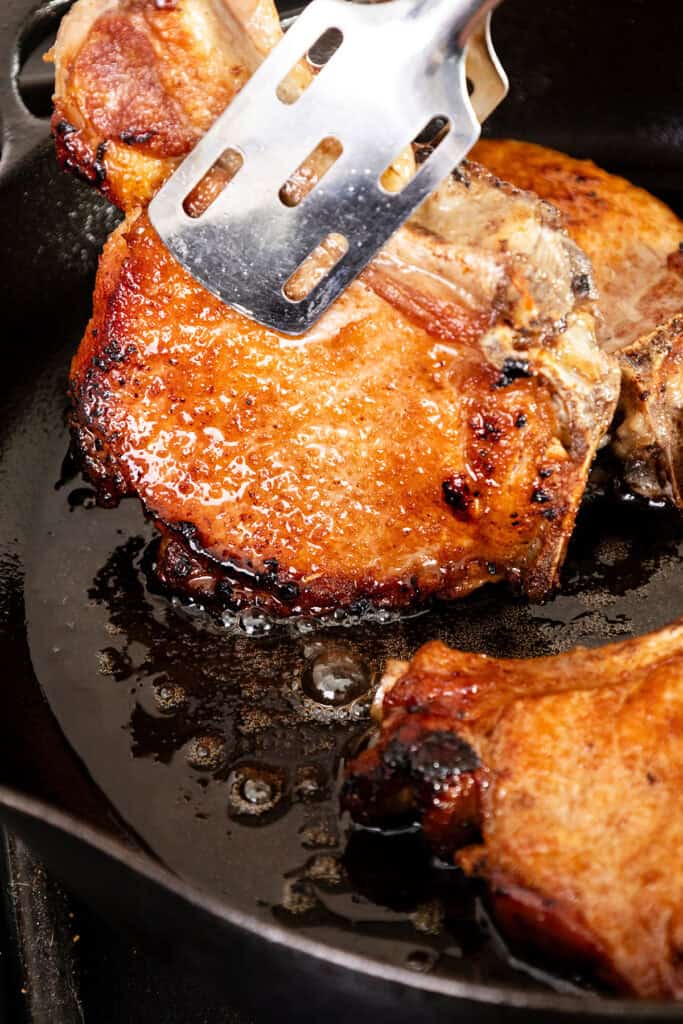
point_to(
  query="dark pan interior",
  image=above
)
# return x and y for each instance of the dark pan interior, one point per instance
(203, 745)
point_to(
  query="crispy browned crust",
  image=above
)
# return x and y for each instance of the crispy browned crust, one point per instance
(566, 773)
(477, 478)
(634, 242)
(139, 82)
(434, 431)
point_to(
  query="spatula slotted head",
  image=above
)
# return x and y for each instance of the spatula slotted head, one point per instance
(285, 199)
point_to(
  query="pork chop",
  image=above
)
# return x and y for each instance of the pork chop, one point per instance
(433, 432)
(635, 243)
(138, 82)
(557, 780)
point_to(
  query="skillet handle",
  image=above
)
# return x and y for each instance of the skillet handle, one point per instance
(22, 24)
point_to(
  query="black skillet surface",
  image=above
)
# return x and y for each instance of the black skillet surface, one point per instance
(197, 751)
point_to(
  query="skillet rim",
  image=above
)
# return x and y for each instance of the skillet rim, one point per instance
(193, 896)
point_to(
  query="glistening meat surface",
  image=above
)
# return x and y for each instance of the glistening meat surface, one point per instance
(432, 433)
(137, 83)
(409, 445)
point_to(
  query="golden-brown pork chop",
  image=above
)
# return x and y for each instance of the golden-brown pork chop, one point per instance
(412, 443)
(432, 433)
(567, 773)
(635, 243)
(138, 82)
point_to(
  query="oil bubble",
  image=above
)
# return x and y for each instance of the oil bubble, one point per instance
(254, 790)
(255, 622)
(307, 783)
(228, 619)
(335, 676)
(318, 835)
(299, 896)
(428, 917)
(325, 868)
(206, 753)
(383, 616)
(257, 792)
(169, 696)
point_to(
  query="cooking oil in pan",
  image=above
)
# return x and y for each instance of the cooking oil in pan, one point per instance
(220, 740)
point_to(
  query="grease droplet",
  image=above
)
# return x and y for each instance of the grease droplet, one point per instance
(205, 753)
(336, 676)
(254, 790)
(169, 696)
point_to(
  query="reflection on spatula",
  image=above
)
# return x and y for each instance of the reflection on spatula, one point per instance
(309, 170)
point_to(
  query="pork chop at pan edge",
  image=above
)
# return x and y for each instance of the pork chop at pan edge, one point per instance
(557, 780)
(635, 243)
(433, 432)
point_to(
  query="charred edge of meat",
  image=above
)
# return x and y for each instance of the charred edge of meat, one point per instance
(78, 157)
(182, 567)
(513, 369)
(97, 465)
(421, 771)
(185, 568)
(431, 759)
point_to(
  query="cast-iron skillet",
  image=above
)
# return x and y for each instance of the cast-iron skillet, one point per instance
(135, 735)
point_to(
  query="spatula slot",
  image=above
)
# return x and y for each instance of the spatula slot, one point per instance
(309, 173)
(315, 267)
(423, 145)
(298, 78)
(324, 48)
(208, 189)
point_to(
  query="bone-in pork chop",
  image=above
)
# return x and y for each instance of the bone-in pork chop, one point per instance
(559, 781)
(433, 432)
(635, 243)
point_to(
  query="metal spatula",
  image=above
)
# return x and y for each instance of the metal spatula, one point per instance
(302, 158)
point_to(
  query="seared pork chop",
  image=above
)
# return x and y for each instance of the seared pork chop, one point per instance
(417, 441)
(138, 82)
(432, 433)
(636, 246)
(557, 780)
